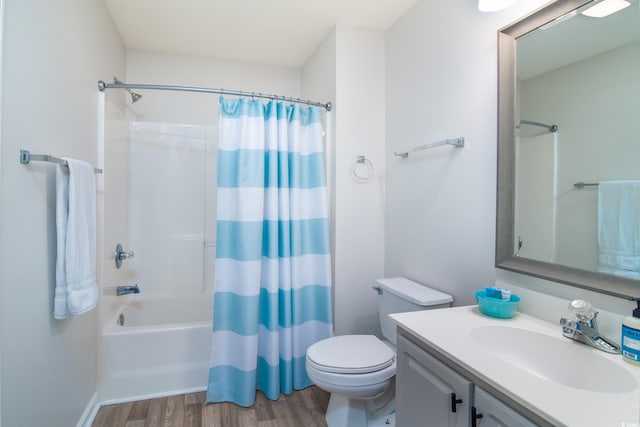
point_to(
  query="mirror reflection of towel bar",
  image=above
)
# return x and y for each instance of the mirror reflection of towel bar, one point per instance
(581, 185)
(551, 128)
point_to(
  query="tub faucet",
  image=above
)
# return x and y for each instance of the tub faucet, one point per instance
(128, 289)
(584, 328)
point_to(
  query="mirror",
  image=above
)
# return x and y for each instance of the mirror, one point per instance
(560, 67)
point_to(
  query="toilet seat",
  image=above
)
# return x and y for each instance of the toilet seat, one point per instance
(350, 354)
(360, 365)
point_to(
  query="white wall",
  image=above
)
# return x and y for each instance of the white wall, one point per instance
(54, 54)
(2, 5)
(359, 208)
(442, 83)
(198, 108)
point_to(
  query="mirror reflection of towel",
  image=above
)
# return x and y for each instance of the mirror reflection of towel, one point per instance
(619, 228)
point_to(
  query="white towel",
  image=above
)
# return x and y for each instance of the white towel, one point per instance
(619, 228)
(76, 291)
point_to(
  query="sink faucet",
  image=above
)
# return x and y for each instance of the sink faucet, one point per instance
(128, 289)
(584, 327)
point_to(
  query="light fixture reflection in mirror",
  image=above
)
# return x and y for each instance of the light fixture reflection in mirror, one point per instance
(605, 8)
(494, 5)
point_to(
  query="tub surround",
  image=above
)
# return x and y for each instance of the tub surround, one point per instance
(447, 334)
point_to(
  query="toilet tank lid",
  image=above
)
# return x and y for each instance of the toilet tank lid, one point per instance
(414, 292)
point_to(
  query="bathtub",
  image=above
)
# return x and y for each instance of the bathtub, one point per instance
(162, 348)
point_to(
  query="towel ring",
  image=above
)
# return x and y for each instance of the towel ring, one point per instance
(357, 174)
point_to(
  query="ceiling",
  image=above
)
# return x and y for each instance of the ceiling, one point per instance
(276, 32)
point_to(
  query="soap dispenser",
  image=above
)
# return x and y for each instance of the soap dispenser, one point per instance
(630, 344)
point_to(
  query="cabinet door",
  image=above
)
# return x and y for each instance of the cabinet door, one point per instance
(428, 393)
(495, 413)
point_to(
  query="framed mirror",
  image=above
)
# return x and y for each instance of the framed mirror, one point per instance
(568, 119)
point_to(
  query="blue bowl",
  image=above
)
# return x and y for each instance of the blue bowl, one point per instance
(494, 307)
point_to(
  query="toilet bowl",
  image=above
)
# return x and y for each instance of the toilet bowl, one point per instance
(359, 370)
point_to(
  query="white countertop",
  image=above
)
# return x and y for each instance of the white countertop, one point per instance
(449, 332)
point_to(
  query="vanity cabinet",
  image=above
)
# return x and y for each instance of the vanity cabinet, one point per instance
(495, 413)
(430, 393)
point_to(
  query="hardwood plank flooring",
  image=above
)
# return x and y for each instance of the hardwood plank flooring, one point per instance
(303, 408)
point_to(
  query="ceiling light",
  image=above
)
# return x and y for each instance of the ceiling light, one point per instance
(494, 5)
(605, 8)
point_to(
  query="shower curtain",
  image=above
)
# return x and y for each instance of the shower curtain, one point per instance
(272, 295)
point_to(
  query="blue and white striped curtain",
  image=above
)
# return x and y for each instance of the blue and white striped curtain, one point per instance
(273, 264)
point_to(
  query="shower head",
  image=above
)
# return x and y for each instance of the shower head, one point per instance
(135, 97)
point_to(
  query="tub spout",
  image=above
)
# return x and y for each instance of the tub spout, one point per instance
(129, 289)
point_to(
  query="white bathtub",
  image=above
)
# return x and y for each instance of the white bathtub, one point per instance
(162, 349)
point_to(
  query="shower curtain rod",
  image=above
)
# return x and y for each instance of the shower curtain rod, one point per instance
(102, 86)
(552, 128)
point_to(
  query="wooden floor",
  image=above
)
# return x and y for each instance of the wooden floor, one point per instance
(303, 408)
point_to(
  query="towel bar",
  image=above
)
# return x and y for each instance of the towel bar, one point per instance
(581, 185)
(26, 157)
(456, 142)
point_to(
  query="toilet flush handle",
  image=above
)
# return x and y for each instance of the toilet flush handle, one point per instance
(378, 289)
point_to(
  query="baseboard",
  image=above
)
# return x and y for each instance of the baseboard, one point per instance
(90, 412)
(151, 396)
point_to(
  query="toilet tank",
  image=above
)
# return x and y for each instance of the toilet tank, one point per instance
(398, 294)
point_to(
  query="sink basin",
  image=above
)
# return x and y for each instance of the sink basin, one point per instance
(555, 359)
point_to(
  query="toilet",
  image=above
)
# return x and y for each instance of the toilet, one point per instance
(359, 370)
